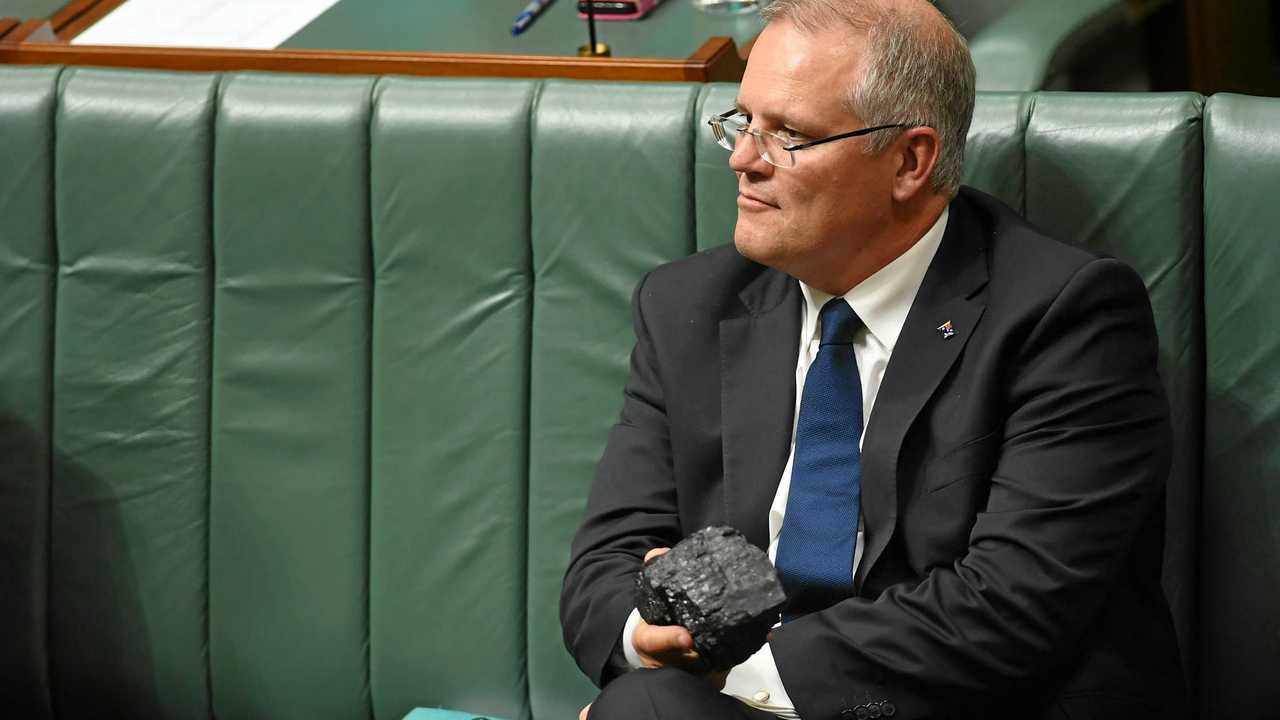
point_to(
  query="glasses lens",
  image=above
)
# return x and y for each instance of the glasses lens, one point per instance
(727, 130)
(772, 150)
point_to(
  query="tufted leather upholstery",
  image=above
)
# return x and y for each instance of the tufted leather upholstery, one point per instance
(1240, 516)
(302, 379)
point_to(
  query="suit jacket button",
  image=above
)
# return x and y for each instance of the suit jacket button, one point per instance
(888, 709)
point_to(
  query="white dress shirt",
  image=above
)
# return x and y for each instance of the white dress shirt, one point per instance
(882, 302)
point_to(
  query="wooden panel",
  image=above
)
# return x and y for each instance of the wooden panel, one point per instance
(71, 20)
(7, 25)
(76, 16)
(716, 60)
(22, 31)
(721, 60)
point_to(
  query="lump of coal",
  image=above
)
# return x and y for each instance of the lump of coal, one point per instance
(719, 586)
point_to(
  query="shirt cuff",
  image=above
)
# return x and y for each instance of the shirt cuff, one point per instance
(629, 647)
(756, 682)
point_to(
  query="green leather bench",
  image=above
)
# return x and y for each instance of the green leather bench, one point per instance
(302, 379)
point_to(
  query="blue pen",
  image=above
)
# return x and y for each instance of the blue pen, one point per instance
(527, 16)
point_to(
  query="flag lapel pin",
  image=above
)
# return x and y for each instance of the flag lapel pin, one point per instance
(946, 330)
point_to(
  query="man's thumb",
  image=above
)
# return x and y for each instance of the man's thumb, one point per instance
(671, 636)
(655, 553)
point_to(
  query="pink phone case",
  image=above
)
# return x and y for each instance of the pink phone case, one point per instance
(642, 8)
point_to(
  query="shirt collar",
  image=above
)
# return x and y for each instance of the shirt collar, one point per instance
(883, 300)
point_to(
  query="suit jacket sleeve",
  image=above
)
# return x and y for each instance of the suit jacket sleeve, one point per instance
(1082, 465)
(631, 509)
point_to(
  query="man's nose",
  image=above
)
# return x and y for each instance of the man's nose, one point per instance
(746, 157)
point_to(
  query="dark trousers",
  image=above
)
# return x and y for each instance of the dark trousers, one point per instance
(668, 694)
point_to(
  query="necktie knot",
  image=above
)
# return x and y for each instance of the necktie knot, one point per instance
(839, 322)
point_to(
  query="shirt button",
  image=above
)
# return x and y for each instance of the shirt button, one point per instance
(761, 696)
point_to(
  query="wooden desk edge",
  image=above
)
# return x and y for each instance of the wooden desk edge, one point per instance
(721, 59)
(22, 31)
(7, 24)
(78, 15)
(74, 17)
(717, 59)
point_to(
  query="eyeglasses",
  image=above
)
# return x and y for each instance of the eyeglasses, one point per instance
(776, 149)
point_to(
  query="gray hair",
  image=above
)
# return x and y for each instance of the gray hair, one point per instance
(915, 72)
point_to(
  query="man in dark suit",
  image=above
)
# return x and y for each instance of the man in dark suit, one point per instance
(946, 429)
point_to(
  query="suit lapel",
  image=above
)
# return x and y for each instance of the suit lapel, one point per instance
(921, 358)
(758, 351)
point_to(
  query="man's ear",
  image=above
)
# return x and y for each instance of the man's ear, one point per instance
(917, 150)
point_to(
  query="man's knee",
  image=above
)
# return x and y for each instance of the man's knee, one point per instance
(661, 693)
(625, 697)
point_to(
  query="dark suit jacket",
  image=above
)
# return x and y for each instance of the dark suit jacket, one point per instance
(1012, 492)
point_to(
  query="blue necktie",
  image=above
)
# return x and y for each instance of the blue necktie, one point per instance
(815, 550)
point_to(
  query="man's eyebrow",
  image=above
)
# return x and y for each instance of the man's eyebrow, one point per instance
(742, 109)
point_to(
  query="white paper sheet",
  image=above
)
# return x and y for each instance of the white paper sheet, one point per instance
(250, 24)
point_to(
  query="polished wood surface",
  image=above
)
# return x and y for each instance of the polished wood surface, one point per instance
(76, 16)
(69, 21)
(716, 60)
(22, 31)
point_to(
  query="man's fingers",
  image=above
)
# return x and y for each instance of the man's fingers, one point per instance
(687, 660)
(583, 715)
(655, 553)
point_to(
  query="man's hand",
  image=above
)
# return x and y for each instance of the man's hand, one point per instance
(666, 646)
(663, 645)
(669, 645)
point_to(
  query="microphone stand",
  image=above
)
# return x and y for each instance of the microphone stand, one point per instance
(594, 49)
